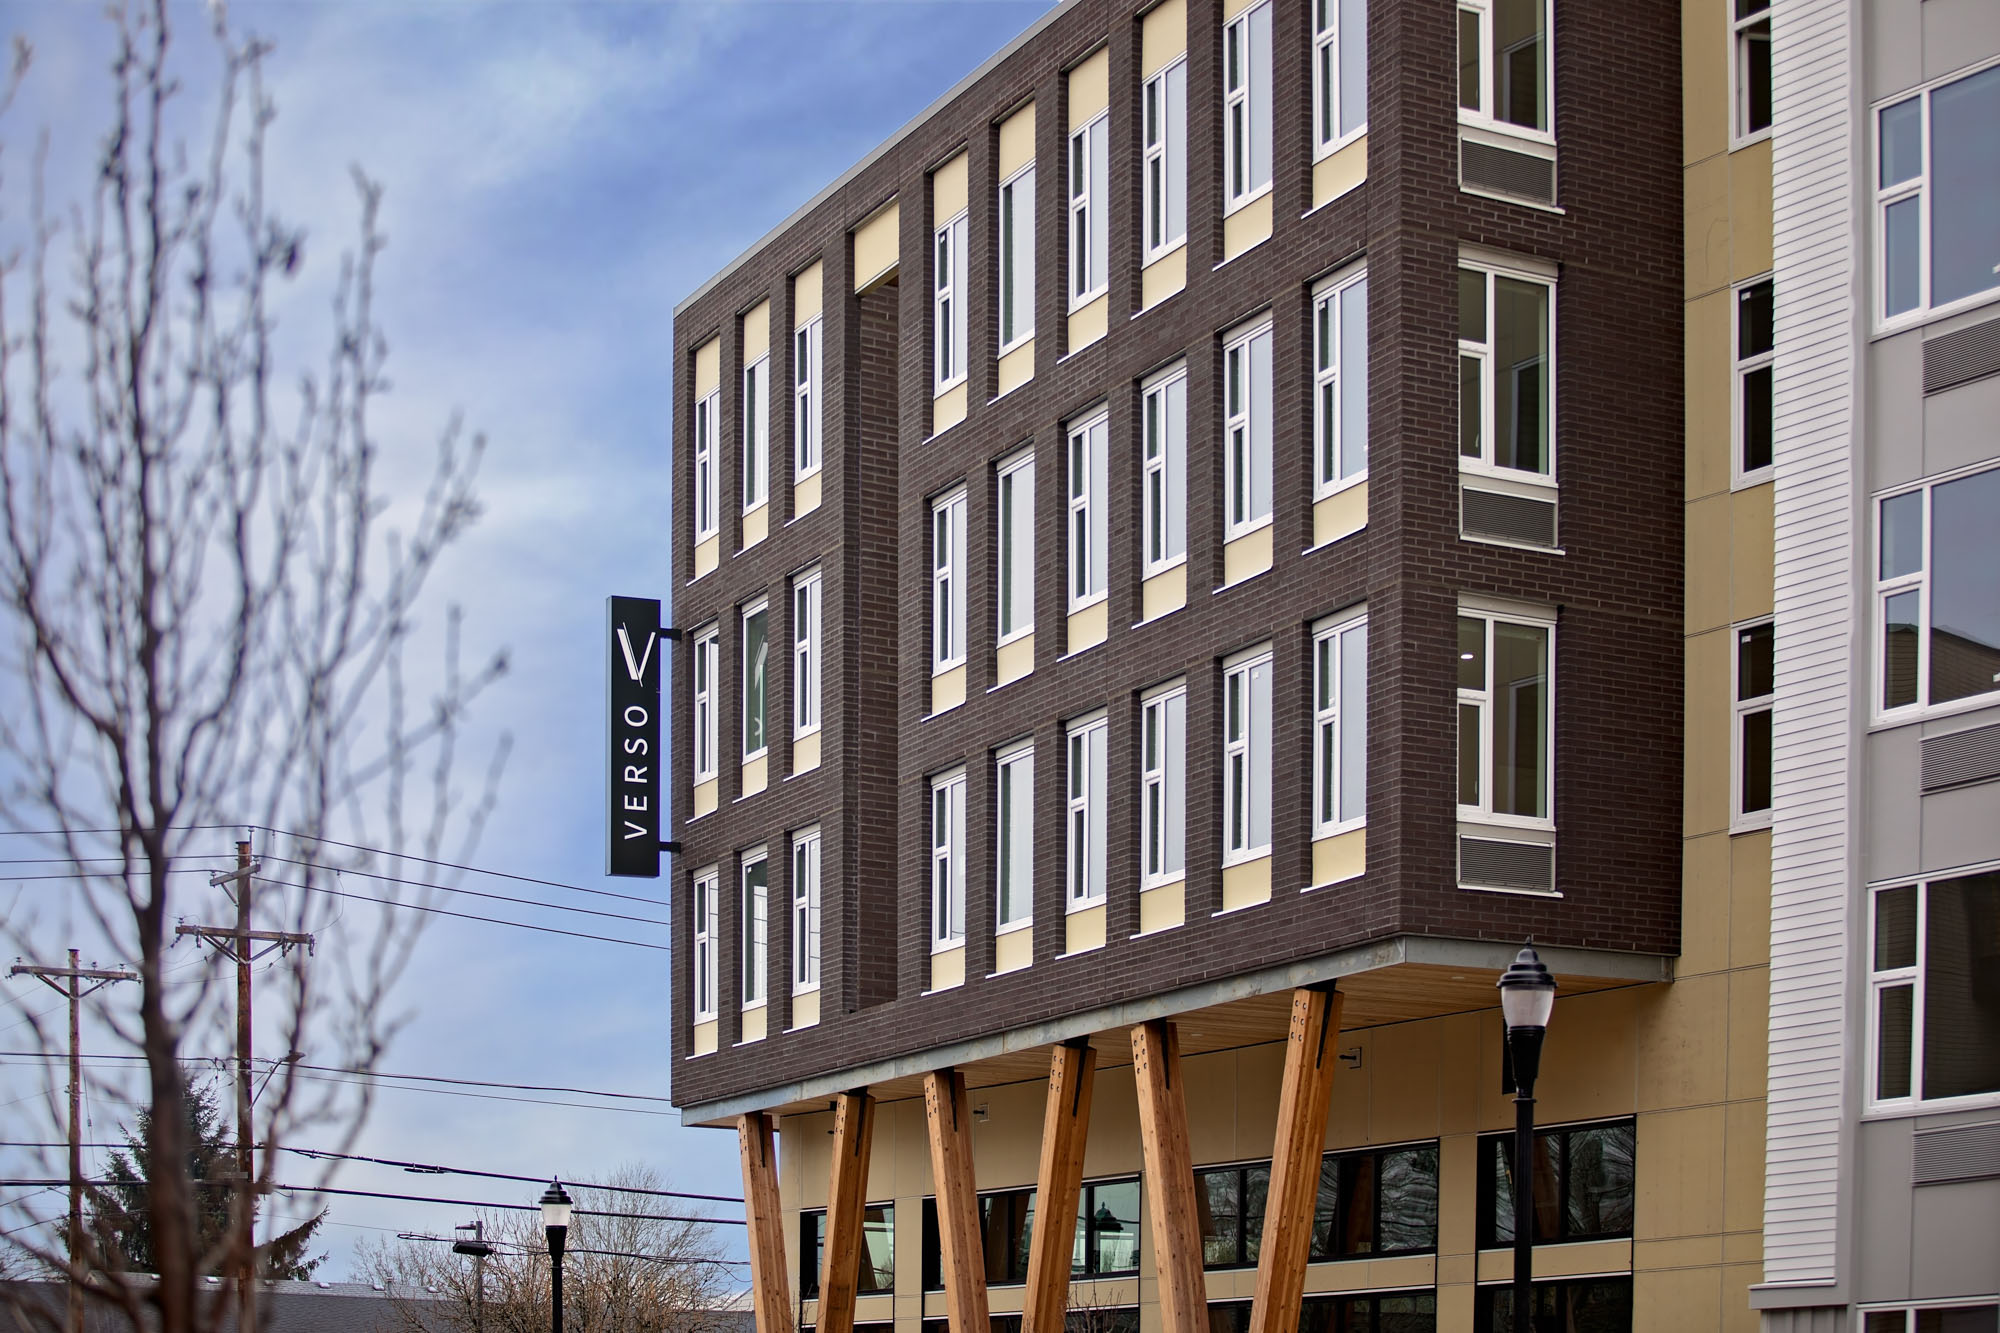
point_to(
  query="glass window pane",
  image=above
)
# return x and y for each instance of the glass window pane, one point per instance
(1353, 65)
(1894, 1008)
(1754, 320)
(1326, 1209)
(1354, 723)
(1409, 1181)
(1598, 1191)
(1114, 1227)
(1754, 649)
(1518, 95)
(1759, 419)
(1755, 780)
(1902, 142)
(1520, 719)
(1965, 187)
(1260, 756)
(1902, 534)
(1959, 1319)
(1219, 1197)
(1962, 987)
(1470, 412)
(1901, 242)
(1755, 54)
(1468, 754)
(1965, 594)
(1520, 372)
(1471, 305)
(1896, 928)
(755, 651)
(1899, 649)
(1355, 1233)
(1256, 1189)
(1354, 378)
(878, 1263)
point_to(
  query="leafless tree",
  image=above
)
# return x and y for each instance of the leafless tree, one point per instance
(211, 570)
(621, 1274)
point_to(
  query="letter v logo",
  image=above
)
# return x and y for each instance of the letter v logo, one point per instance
(638, 668)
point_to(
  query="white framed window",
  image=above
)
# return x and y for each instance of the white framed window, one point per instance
(806, 407)
(1163, 456)
(1934, 1033)
(1752, 670)
(1932, 1317)
(1163, 785)
(706, 664)
(1755, 344)
(1246, 431)
(1506, 65)
(948, 305)
(1246, 756)
(756, 433)
(755, 920)
(1340, 73)
(707, 485)
(948, 860)
(1246, 106)
(1937, 638)
(707, 921)
(1506, 719)
(1936, 247)
(1014, 854)
(1750, 58)
(1163, 130)
(1340, 725)
(1506, 371)
(947, 588)
(1084, 805)
(805, 911)
(756, 678)
(1088, 492)
(1017, 258)
(1089, 211)
(1340, 384)
(1014, 521)
(805, 653)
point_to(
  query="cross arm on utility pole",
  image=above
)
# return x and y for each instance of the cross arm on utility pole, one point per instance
(103, 976)
(238, 944)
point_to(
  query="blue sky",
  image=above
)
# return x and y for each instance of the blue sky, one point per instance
(557, 177)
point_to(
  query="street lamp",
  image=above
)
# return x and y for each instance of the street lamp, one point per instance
(1527, 997)
(479, 1250)
(555, 1222)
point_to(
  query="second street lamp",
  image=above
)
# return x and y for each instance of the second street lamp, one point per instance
(1527, 998)
(555, 1224)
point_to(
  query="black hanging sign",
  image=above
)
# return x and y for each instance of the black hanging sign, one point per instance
(632, 800)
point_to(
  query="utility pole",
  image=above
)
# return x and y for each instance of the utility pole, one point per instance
(240, 944)
(72, 989)
(478, 1249)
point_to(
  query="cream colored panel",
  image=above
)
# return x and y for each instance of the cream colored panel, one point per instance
(948, 968)
(1750, 210)
(756, 775)
(1338, 172)
(1754, 546)
(1705, 200)
(1680, 1191)
(1011, 661)
(1743, 1156)
(805, 495)
(1163, 277)
(805, 1010)
(806, 297)
(1247, 556)
(707, 555)
(1749, 1021)
(757, 332)
(1165, 591)
(877, 245)
(1163, 908)
(1678, 1061)
(1454, 1302)
(1341, 514)
(948, 191)
(1688, 1252)
(1593, 1071)
(1454, 1269)
(1089, 89)
(1596, 1256)
(1246, 883)
(1014, 950)
(1705, 90)
(1705, 768)
(1750, 899)
(1459, 1073)
(1458, 1192)
(1246, 227)
(805, 753)
(1231, 8)
(707, 368)
(1162, 36)
(1084, 930)
(1086, 326)
(1015, 369)
(705, 1037)
(1087, 628)
(1708, 389)
(753, 1025)
(706, 798)
(948, 408)
(1708, 563)
(1706, 896)
(1343, 856)
(1403, 1087)
(1017, 142)
(756, 526)
(948, 689)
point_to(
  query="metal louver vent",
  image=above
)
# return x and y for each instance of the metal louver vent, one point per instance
(1481, 166)
(1507, 518)
(1962, 355)
(1960, 757)
(1487, 863)
(1963, 1152)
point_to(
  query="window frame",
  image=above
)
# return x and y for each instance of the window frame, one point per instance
(1742, 367)
(948, 619)
(1489, 382)
(1914, 976)
(759, 607)
(756, 460)
(1168, 772)
(1920, 581)
(1020, 256)
(1163, 160)
(1257, 434)
(707, 480)
(806, 407)
(1330, 722)
(753, 924)
(1742, 29)
(1239, 807)
(1485, 117)
(1020, 568)
(1332, 373)
(807, 645)
(1089, 200)
(1085, 812)
(1087, 507)
(1330, 34)
(805, 893)
(948, 321)
(1741, 711)
(1882, 196)
(1255, 99)
(704, 728)
(1020, 754)
(1163, 478)
(1484, 813)
(947, 895)
(1911, 1309)
(705, 973)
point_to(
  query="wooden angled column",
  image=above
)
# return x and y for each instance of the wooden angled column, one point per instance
(1170, 1196)
(846, 1205)
(1058, 1183)
(770, 1287)
(1303, 1101)
(963, 1258)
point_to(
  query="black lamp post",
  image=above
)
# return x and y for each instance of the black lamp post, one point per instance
(555, 1222)
(1527, 996)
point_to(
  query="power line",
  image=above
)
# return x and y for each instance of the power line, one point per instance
(609, 1254)
(338, 871)
(407, 1198)
(466, 916)
(453, 865)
